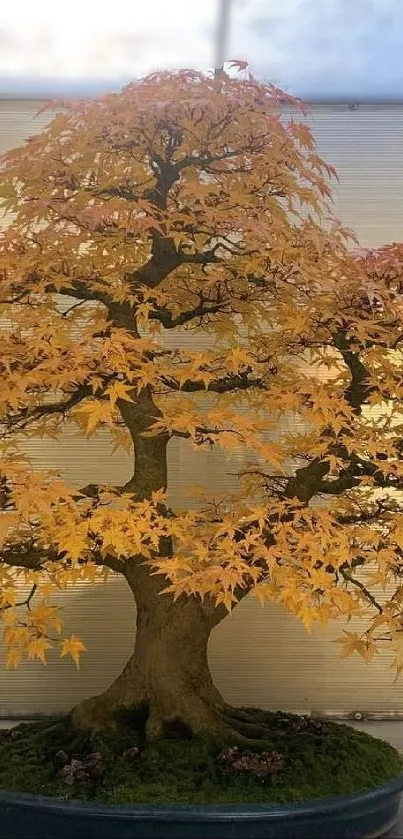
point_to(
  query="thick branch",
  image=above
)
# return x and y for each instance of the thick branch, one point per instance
(207, 160)
(35, 559)
(308, 480)
(22, 557)
(349, 479)
(358, 389)
(79, 291)
(165, 259)
(79, 288)
(169, 321)
(26, 416)
(227, 384)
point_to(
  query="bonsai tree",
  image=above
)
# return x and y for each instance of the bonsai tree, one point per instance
(188, 202)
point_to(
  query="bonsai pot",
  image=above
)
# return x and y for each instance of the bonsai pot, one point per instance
(363, 815)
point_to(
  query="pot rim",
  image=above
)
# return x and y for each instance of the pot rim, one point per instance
(206, 812)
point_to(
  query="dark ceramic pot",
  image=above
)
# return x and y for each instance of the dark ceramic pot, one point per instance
(365, 815)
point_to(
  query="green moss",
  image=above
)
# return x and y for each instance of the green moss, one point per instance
(328, 760)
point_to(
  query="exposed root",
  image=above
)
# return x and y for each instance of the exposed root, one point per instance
(97, 715)
(243, 714)
(154, 720)
(246, 722)
(250, 731)
(226, 726)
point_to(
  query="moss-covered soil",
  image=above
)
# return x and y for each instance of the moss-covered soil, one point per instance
(312, 759)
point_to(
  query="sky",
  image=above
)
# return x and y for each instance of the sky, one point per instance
(335, 48)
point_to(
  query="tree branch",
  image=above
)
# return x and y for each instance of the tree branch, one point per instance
(165, 259)
(308, 480)
(358, 389)
(26, 416)
(35, 559)
(227, 384)
(358, 584)
(23, 557)
(169, 321)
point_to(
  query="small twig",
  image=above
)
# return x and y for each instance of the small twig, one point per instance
(362, 588)
(71, 308)
(25, 602)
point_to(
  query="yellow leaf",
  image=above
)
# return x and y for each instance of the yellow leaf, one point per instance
(8, 597)
(9, 616)
(120, 391)
(47, 588)
(73, 646)
(308, 617)
(96, 383)
(229, 441)
(273, 454)
(43, 615)
(238, 357)
(13, 659)
(37, 648)
(90, 572)
(350, 643)
(96, 413)
(74, 545)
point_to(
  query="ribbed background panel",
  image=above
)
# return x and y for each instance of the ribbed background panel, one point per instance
(365, 146)
(258, 655)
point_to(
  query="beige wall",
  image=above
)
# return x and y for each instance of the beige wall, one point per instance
(258, 655)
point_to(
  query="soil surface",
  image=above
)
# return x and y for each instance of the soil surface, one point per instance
(299, 759)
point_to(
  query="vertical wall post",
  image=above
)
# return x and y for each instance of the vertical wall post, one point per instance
(223, 21)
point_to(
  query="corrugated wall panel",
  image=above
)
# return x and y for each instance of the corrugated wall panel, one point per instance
(365, 146)
(258, 655)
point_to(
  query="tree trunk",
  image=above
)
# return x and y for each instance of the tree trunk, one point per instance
(166, 686)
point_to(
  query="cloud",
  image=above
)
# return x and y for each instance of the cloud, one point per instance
(93, 39)
(329, 48)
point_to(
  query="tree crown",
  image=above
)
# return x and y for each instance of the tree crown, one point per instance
(191, 204)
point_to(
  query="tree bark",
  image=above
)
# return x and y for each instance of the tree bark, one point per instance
(166, 687)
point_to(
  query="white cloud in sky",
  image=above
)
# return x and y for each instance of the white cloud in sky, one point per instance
(309, 46)
(331, 46)
(95, 38)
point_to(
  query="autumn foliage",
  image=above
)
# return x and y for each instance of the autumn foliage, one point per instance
(188, 202)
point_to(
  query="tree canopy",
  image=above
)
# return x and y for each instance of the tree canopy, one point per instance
(188, 202)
